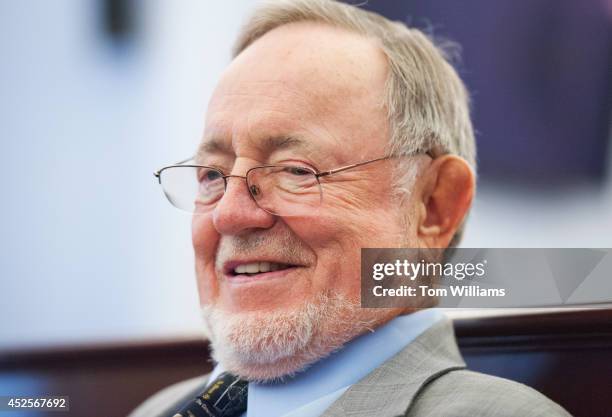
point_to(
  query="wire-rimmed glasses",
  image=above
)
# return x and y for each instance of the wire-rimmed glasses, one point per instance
(282, 190)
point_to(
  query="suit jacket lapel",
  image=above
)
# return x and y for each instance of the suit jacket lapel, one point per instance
(389, 390)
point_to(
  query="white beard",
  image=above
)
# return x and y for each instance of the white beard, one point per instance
(264, 346)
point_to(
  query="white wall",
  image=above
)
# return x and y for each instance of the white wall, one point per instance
(90, 250)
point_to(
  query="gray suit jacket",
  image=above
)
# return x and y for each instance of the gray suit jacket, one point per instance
(427, 378)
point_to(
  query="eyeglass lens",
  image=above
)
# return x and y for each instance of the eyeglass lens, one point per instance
(280, 190)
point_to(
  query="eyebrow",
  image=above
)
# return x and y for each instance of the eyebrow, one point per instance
(278, 143)
(213, 146)
(267, 146)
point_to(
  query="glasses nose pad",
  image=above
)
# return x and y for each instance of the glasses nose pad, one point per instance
(255, 191)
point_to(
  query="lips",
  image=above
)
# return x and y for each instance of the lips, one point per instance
(257, 267)
(253, 268)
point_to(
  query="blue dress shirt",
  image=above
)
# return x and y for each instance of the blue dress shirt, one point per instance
(312, 391)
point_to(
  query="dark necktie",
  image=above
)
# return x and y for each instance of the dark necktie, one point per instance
(225, 397)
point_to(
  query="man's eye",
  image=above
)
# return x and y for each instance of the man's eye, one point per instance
(298, 171)
(209, 175)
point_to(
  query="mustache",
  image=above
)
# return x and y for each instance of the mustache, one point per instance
(282, 246)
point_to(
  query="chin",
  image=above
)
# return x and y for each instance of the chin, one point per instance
(272, 345)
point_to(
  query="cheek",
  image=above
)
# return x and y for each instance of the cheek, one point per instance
(359, 195)
(205, 240)
(203, 234)
(336, 237)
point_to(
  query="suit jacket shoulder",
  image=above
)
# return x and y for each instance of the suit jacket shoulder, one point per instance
(170, 398)
(464, 393)
(428, 378)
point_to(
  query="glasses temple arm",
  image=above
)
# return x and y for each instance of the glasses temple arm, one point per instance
(156, 173)
(344, 168)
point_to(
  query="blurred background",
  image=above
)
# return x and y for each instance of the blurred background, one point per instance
(97, 94)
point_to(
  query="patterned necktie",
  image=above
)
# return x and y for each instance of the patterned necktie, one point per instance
(225, 397)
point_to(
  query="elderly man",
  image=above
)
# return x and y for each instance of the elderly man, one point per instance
(332, 130)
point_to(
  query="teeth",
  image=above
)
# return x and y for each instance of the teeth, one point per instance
(256, 267)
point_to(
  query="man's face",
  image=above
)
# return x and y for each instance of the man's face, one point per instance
(323, 87)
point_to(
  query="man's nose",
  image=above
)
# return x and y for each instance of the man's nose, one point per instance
(236, 212)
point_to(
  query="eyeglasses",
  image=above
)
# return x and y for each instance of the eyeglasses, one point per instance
(281, 190)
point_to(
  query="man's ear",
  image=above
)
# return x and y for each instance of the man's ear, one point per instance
(448, 188)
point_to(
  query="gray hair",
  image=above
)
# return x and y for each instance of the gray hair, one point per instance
(427, 103)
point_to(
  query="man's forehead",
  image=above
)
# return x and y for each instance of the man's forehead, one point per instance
(311, 60)
(294, 75)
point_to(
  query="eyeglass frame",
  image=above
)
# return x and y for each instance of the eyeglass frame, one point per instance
(316, 173)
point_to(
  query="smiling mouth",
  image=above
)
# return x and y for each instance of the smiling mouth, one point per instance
(252, 269)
